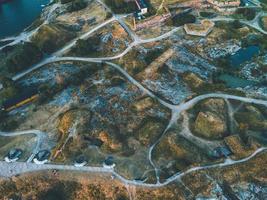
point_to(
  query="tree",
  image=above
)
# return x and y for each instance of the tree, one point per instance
(7, 82)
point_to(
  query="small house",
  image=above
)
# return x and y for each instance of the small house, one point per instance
(80, 161)
(13, 155)
(109, 163)
(42, 157)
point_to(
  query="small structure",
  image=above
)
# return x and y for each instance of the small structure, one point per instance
(109, 163)
(80, 161)
(226, 6)
(41, 157)
(13, 155)
(202, 29)
(220, 152)
(142, 7)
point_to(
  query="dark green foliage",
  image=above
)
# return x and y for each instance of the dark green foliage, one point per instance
(85, 47)
(255, 39)
(153, 54)
(77, 5)
(22, 57)
(7, 82)
(180, 20)
(248, 13)
(9, 90)
(65, 1)
(207, 14)
(236, 24)
(223, 62)
(3, 115)
(121, 6)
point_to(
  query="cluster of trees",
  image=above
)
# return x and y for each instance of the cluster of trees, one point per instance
(21, 57)
(85, 47)
(248, 13)
(76, 5)
(180, 20)
(121, 6)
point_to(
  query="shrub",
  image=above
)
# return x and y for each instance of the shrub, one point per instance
(180, 20)
(248, 13)
(77, 5)
(121, 6)
(22, 57)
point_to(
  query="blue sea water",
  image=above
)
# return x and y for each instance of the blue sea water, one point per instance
(16, 15)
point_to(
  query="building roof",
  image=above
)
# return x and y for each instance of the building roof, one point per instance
(222, 151)
(141, 4)
(14, 153)
(109, 161)
(80, 159)
(42, 155)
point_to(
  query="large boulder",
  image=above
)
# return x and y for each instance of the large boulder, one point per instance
(210, 125)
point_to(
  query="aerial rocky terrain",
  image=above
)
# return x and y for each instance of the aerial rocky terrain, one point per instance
(181, 116)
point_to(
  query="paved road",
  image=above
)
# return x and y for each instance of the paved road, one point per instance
(16, 168)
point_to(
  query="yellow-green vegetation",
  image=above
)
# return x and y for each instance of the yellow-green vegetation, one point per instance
(177, 153)
(192, 80)
(263, 22)
(51, 37)
(149, 131)
(210, 121)
(239, 148)
(250, 118)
